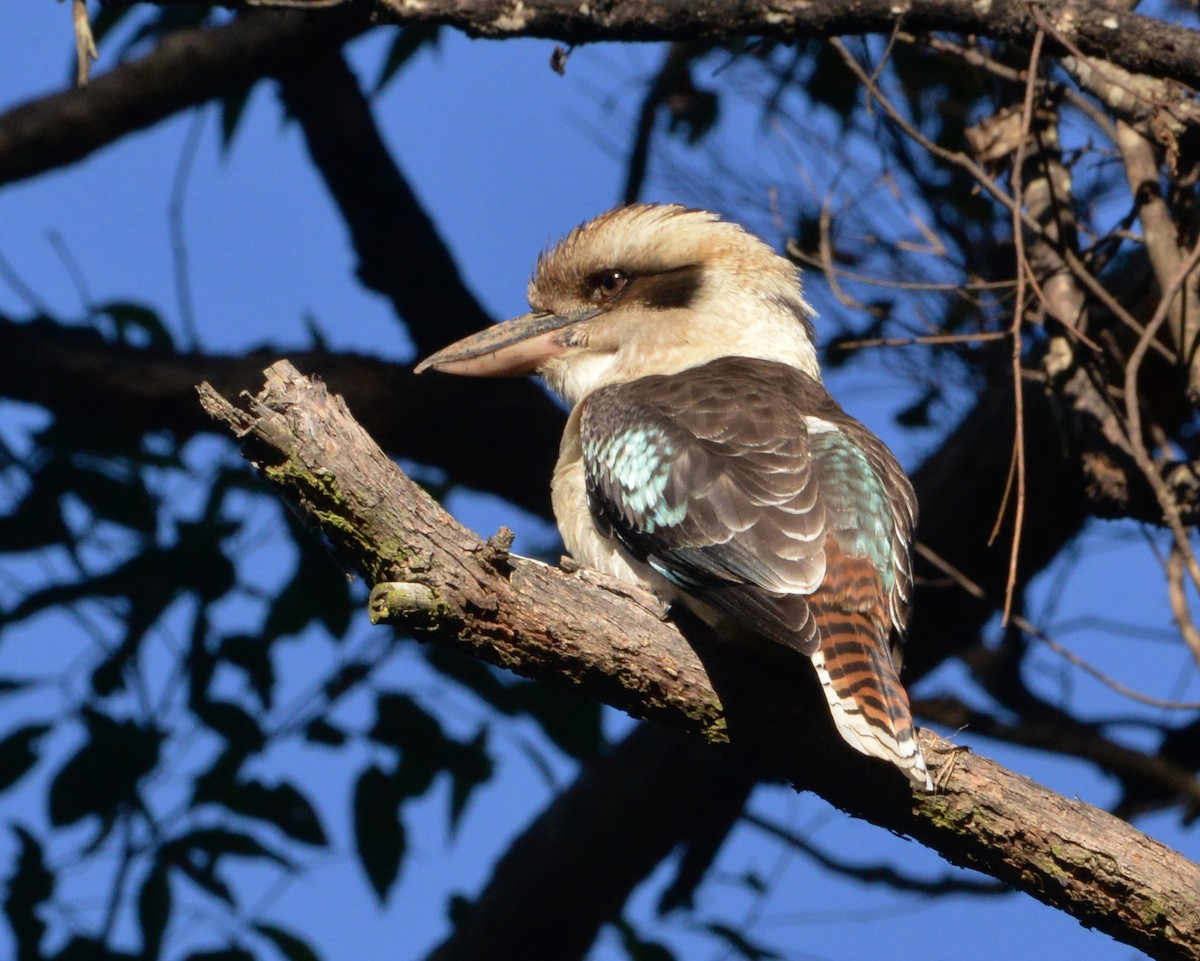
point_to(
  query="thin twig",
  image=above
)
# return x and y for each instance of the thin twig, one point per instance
(1018, 463)
(1108, 681)
(1177, 594)
(1109, 73)
(179, 253)
(981, 337)
(826, 249)
(958, 159)
(955, 157)
(73, 269)
(976, 57)
(873, 81)
(1081, 273)
(796, 253)
(871, 873)
(23, 290)
(85, 43)
(1133, 416)
(1159, 233)
(1028, 627)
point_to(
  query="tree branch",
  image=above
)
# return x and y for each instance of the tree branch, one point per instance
(547, 899)
(571, 630)
(400, 253)
(187, 68)
(73, 372)
(1137, 43)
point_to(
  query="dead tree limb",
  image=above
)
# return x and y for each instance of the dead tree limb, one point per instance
(575, 630)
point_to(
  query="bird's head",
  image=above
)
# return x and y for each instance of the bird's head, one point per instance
(647, 289)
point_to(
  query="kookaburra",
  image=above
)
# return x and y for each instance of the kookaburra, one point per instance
(703, 457)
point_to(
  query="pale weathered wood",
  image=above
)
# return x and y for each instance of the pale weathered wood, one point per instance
(575, 631)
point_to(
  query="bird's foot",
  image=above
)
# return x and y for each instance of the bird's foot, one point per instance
(945, 770)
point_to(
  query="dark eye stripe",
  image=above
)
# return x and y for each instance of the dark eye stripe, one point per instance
(671, 288)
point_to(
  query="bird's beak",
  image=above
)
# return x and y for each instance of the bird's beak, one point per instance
(517, 346)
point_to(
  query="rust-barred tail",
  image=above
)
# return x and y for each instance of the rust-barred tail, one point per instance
(868, 703)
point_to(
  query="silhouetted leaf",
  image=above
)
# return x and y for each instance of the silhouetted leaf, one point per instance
(426, 751)
(320, 731)
(215, 783)
(109, 675)
(753, 881)
(233, 107)
(378, 833)
(121, 499)
(281, 805)
(175, 17)
(458, 909)
(205, 877)
(916, 414)
(401, 722)
(479, 677)
(29, 886)
(693, 113)
(197, 561)
(573, 723)
(17, 753)
(154, 908)
(639, 949)
(70, 437)
(201, 662)
(234, 723)
(253, 655)
(198, 853)
(316, 337)
(211, 844)
(290, 946)
(318, 591)
(470, 765)
(103, 774)
(407, 42)
(36, 520)
(106, 18)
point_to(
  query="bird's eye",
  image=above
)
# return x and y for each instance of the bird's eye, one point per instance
(609, 284)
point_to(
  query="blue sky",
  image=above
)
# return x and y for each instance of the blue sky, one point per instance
(507, 155)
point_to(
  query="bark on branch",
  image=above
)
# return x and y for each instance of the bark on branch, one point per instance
(1138, 43)
(572, 629)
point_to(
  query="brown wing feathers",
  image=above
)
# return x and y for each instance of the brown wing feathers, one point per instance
(746, 485)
